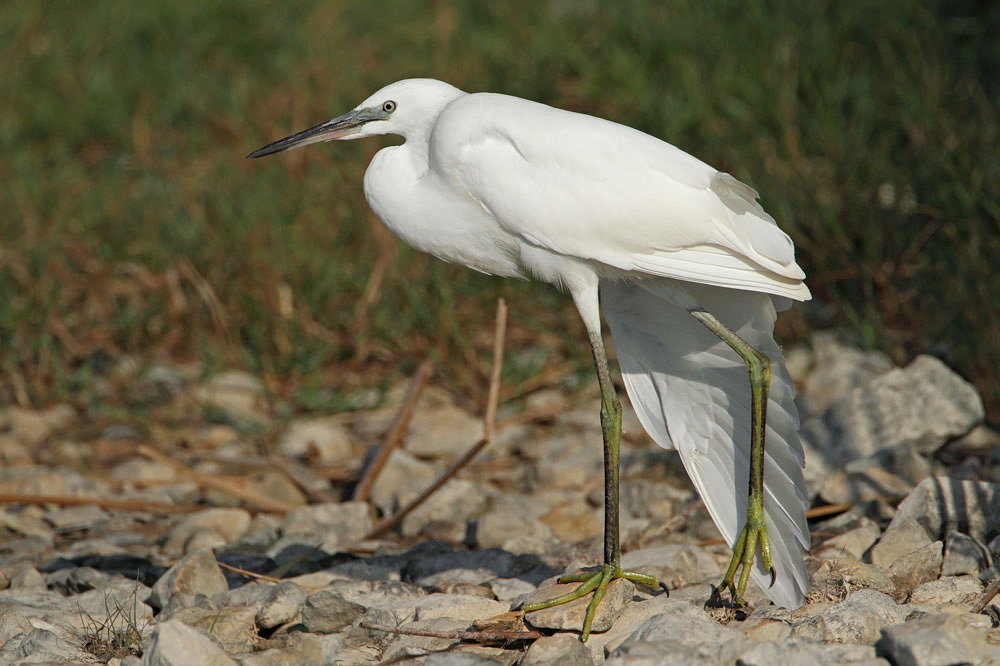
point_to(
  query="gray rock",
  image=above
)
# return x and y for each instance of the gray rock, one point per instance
(42, 646)
(872, 483)
(455, 606)
(509, 517)
(13, 623)
(306, 650)
(173, 643)
(937, 640)
(281, 604)
(692, 626)
(854, 542)
(222, 525)
(899, 539)
(239, 395)
(29, 427)
(231, 627)
(572, 461)
(563, 649)
(321, 440)
(25, 577)
(948, 590)
(964, 555)
(837, 369)
(573, 521)
(635, 615)
(804, 651)
(857, 619)
(766, 628)
(328, 525)
(473, 567)
(76, 517)
(921, 406)
(675, 565)
(327, 611)
(195, 574)
(508, 589)
(916, 568)
(656, 653)
(646, 498)
(944, 505)
(377, 594)
(450, 507)
(401, 480)
(26, 525)
(445, 431)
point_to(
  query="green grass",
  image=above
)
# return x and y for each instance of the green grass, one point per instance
(132, 223)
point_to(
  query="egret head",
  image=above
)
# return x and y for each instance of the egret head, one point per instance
(405, 108)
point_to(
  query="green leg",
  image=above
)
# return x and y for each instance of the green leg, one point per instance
(597, 582)
(754, 531)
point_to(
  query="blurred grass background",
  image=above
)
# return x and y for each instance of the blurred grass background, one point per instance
(132, 225)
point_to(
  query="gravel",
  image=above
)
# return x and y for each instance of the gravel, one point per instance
(198, 548)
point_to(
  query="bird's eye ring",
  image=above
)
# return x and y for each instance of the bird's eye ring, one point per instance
(389, 106)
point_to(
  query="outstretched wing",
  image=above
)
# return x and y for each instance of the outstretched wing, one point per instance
(596, 190)
(691, 391)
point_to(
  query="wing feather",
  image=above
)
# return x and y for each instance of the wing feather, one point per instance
(691, 391)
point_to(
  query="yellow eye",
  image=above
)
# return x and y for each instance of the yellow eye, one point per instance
(389, 106)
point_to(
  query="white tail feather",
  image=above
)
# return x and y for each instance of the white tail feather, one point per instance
(692, 391)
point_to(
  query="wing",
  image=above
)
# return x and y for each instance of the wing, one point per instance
(596, 190)
(691, 391)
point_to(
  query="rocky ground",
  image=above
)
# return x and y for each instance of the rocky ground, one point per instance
(189, 537)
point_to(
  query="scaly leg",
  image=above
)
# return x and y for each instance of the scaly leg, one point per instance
(597, 582)
(754, 531)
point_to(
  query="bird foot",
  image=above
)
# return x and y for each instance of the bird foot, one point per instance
(596, 582)
(745, 552)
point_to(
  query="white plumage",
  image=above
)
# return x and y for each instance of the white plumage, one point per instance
(515, 188)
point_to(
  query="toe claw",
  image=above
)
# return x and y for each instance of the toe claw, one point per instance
(774, 577)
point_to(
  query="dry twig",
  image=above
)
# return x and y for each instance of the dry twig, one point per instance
(477, 636)
(987, 597)
(143, 506)
(228, 486)
(396, 431)
(489, 426)
(829, 510)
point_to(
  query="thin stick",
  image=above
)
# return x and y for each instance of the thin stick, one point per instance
(987, 597)
(489, 425)
(478, 636)
(249, 574)
(830, 509)
(396, 432)
(144, 506)
(219, 483)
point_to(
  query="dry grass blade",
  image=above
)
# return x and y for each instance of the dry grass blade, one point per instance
(987, 597)
(828, 510)
(249, 574)
(143, 506)
(396, 431)
(212, 302)
(489, 423)
(230, 487)
(477, 636)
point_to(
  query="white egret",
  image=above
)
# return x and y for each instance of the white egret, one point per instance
(689, 268)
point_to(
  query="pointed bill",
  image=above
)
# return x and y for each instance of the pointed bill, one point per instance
(343, 127)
